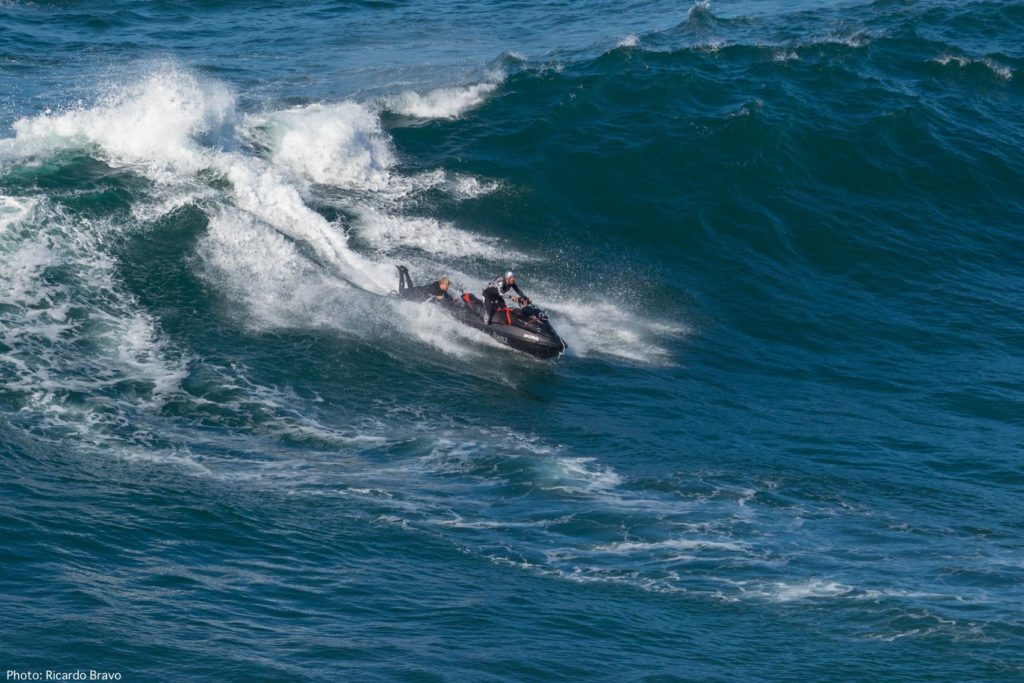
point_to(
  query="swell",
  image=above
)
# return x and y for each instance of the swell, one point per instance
(185, 279)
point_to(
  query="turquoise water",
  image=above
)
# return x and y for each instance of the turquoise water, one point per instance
(781, 240)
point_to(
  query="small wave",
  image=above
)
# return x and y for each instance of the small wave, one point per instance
(854, 40)
(711, 46)
(442, 103)
(793, 591)
(701, 9)
(630, 41)
(459, 522)
(801, 590)
(595, 575)
(1000, 70)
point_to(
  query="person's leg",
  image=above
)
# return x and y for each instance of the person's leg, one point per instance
(403, 275)
(492, 300)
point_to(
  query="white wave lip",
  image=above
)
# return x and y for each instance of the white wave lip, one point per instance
(1000, 70)
(855, 40)
(442, 103)
(153, 122)
(630, 41)
(699, 8)
(341, 144)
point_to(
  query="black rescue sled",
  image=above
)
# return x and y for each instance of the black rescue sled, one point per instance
(525, 329)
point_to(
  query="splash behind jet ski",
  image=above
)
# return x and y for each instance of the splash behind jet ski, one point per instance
(525, 329)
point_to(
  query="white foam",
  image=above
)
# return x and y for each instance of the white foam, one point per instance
(341, 144)
(161, 123)
(581, 475)
(468, 187)
(668, 583)
(1000, 70)
(632, 40)
(442, 103)
(387, 232)
(607, 329)
(633, 547)
(153, 122)
(434, 326)
(269, 197)
(161, 206)
(13, 210)
(46, 343)
(799, 590)
(855, 40)
(254, 264)
(712, 45)
(458, 522)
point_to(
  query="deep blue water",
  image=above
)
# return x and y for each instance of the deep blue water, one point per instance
(782, 239)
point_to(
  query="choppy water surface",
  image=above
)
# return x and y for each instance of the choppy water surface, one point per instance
(782, 241)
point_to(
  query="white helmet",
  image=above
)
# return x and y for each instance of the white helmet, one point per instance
(509, 274)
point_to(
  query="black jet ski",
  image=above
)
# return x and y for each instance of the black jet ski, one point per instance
(525, 329)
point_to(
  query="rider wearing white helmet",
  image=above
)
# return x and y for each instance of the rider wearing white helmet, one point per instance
(495, 288)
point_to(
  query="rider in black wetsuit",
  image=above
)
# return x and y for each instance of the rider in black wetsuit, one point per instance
(493, 291)
(437, 290)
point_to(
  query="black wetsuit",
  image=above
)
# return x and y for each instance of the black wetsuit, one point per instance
(407, 291)
(492, 296)
(424, 292)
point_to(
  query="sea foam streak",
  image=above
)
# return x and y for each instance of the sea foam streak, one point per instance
(113, 354)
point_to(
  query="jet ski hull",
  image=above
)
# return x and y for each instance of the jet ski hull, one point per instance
(538, 339)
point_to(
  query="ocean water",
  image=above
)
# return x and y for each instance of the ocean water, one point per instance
(782, 240)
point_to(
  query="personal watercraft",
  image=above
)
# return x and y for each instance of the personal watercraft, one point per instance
(525, 328)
